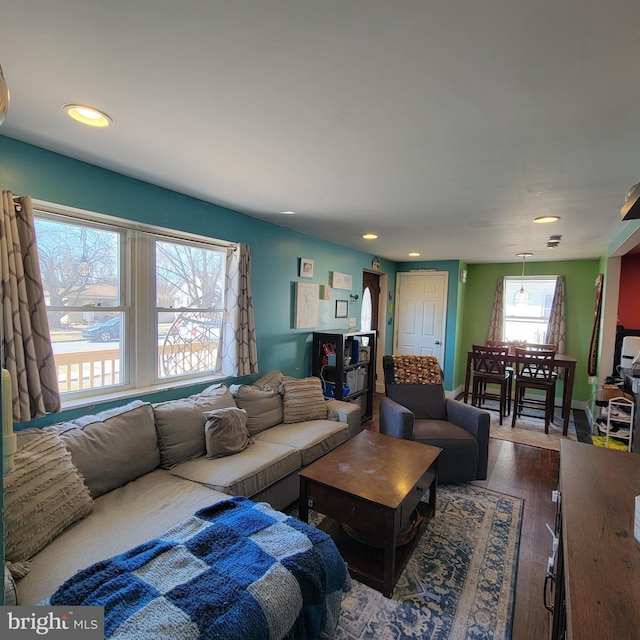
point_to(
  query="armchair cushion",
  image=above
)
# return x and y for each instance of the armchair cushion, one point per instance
(426, 401)
(460, 457)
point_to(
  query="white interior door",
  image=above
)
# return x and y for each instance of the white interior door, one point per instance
(421, 311)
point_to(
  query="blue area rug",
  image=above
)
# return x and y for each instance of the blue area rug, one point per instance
(459, 583)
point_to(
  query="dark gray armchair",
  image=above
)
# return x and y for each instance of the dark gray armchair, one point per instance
(415, 408)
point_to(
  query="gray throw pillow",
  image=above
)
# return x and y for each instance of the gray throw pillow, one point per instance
(263, 406)
(226, 432)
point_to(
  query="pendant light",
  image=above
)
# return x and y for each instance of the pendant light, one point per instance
(521, 298)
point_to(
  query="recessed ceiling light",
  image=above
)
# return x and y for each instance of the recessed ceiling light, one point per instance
(288, 213)
(370, 236)
(414, 254)
(546, 219)
(87, 115)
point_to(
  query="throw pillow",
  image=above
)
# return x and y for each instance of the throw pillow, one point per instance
(303, 400)
(226, 432)
(180, 425)
(263, 406)
(43, 494)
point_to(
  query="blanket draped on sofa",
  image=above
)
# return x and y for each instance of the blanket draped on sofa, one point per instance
(235, 570)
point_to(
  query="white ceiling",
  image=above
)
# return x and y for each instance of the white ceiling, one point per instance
(444, 126)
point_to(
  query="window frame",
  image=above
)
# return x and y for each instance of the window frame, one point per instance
(543, 319)
(139, 370)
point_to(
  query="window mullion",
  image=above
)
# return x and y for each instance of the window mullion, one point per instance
(143, 300)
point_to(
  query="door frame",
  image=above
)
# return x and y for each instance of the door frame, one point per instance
(383, 281)
(445, 307)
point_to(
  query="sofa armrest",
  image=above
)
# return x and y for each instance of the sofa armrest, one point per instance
(476, 421)
(347, 412)
(396, 420)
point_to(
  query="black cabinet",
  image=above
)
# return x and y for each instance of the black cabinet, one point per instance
(345, 361)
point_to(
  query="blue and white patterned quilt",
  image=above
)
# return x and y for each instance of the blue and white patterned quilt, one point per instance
(235, 570)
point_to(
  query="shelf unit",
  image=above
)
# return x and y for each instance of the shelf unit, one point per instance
(359, 374)
(620, 420)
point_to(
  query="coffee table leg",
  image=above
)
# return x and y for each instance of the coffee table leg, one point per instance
(389, 570)
(303, 505)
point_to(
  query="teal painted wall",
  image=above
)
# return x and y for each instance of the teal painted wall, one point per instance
(30, 170)
(580, 276)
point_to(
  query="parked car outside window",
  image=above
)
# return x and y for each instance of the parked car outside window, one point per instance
(105, 332)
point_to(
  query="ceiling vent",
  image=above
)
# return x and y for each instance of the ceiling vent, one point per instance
(553, 241)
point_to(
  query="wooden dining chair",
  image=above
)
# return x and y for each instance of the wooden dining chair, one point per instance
(534, 369)
(489, 369)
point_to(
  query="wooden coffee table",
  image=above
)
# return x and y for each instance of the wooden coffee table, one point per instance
(373, 483)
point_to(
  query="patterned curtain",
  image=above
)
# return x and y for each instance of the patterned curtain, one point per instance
(27, 351)
(238, 353)
(497, 314)
(556, 329)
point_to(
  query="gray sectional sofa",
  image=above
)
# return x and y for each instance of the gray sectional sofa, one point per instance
(144, 467)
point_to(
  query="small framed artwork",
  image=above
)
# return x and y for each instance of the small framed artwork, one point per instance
(341, 280)
(342, 308)
(306, 268)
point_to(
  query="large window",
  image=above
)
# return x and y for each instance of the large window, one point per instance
(528, 322)
(129, 307)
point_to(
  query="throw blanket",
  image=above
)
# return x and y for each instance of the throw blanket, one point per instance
(235, 570)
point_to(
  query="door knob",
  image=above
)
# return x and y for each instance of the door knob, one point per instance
(437, 341)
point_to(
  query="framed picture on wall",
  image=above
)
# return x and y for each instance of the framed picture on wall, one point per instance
(342, 308)
(306, 268)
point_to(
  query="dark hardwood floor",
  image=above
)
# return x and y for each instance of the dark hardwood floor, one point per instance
(529, 473)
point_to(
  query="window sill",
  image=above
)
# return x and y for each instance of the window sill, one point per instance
(128, 394)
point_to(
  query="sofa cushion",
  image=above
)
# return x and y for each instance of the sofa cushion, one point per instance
(120, 520)
(180, 424)
(303, 400)
(226, 432)
(313, 438)
(459, 459)
(43, 495)
(271, 380)
(263, 406)
(245, 473)
(112, 447)
(10, 591)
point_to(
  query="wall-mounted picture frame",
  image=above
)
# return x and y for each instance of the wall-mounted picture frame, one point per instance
(342, 308)
(341, 280)
(306, 305)
(306, 268)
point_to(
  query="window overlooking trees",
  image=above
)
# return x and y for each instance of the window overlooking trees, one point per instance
(190, 299)
(115, 295)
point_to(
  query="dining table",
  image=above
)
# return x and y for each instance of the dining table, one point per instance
(561, 361)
